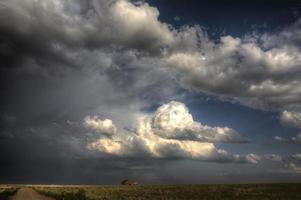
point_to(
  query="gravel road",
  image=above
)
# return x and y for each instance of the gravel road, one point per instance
(29, 194)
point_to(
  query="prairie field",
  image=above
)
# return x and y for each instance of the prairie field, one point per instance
(7, 191)
(281, 191)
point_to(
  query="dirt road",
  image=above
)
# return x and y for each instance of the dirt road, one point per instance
(29, 194)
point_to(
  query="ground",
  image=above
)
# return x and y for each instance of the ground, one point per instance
(282, 191)
(29, 194)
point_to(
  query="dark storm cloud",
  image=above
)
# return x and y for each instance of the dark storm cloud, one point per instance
(50, 31)
(59, 63)
(62, 61)
(16, 49)
(258, 70)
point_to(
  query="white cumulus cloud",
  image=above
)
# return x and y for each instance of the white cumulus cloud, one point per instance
(170, 132)
(173, 121)
(243, 69)
(101, 126)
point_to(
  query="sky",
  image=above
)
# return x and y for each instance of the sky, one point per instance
(158, 91)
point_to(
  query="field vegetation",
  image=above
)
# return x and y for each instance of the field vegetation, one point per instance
(175, 192)
(7, 191)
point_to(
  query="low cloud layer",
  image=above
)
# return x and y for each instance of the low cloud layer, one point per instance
(294, 168)
(273, 157)
(295, 139)
(297, 156)
(170, 132)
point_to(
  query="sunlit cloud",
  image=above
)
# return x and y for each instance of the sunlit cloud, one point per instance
(170, 132)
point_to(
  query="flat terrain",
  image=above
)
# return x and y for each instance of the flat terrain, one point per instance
(7, 191)
(176, 192)
(28, 194)
(283, 191)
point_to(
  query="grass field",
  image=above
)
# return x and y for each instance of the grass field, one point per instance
(175, 192)
(7, 191)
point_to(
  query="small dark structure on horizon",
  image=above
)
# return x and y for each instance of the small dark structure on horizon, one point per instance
(129, 182)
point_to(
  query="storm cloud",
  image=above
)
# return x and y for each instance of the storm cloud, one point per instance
(258, 70)
(99, 85)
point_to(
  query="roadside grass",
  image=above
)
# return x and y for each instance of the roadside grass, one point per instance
(63, 193)
(176, 192)
(6, 192)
